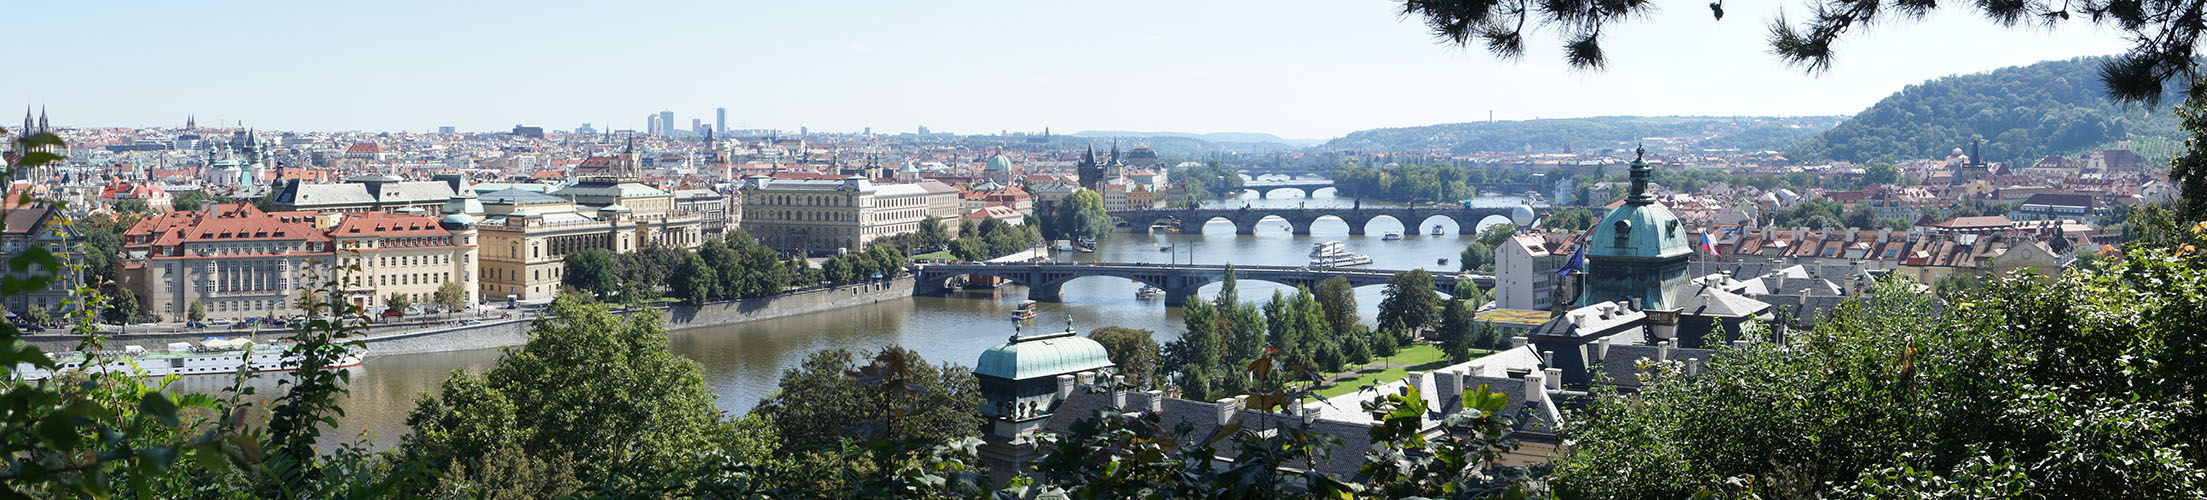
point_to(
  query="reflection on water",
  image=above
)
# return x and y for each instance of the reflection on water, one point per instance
(742, 363)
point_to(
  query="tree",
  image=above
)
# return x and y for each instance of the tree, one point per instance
(592, 391)
(1338, 300)
(2164, 32)
(1880, 173)
(1198, 346)
(38, 316)
(694, 281)
(1477, 256)
(594, 270)
(830, 398)
(133, 206)
(1570, 219)
(398, 302)
(2189, 169)
(1456, 332)
(1080, 215)
(197, 312)
(931, 234)
(1409, 300)
(1134, 351)
(448, 296)
(122, 309)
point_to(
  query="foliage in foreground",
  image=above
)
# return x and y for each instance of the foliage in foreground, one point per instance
(2084, 386)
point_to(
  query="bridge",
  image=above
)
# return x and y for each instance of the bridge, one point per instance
(1264, 188)
(1300, 219)
(1045, 282)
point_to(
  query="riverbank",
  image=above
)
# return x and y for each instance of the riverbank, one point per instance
(513, 332)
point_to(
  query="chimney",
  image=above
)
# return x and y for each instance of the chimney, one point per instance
(1884, 235)
(1554, 378)
(1547, 358)
(1065, 387)
(1310, 411)
(1087, 378)
(1851, 233)
(1156, 401)
(1535, 385)
(1241, 402)
(1662, 351)
(1225, 410)
(1118, 392)
(1601, 350)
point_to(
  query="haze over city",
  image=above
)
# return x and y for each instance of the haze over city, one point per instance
(1302, 69)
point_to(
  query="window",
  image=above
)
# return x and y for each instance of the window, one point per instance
(1624, 233)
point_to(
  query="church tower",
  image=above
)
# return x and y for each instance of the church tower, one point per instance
(1638, 252)
(1090, 172)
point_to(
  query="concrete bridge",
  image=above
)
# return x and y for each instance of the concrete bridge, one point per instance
(1264, 189)
(1046, 281)
(1245, 219)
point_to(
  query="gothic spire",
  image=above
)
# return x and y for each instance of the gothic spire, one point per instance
(42, 126)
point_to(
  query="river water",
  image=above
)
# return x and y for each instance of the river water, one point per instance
(744, 362)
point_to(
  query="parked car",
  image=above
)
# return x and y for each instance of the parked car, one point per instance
(220, 322)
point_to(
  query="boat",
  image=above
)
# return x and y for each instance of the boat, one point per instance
(1436, 230)
(1391, 237)
(1149, 292)
(1442, 261)
(1026, 310)
(1165, 248)
(1333, 254)
(214, 356)
(1164, 228)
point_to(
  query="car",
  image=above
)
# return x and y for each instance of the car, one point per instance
(220, 322)
(472, 322)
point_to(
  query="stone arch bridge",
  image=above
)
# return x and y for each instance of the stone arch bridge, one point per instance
(1046, 281)
(1245, 219)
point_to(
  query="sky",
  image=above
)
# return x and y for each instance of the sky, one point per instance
(1297, 68)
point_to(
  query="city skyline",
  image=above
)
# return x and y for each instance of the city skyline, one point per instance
(1300, 70)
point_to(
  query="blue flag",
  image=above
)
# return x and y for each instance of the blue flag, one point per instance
(1577, 262)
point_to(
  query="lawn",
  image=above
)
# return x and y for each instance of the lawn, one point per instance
(1420, 358)
(939, 255)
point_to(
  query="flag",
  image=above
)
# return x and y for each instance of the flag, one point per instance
(1577, 262)
(1710, 244)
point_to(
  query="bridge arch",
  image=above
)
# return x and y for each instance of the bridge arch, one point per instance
(943, 281)
(1144, 280)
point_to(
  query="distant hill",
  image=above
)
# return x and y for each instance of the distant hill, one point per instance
(1215, 137)
(2023, 113)
(1585, 134)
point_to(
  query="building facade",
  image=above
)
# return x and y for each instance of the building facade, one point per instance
(239, 262)
(823, 216)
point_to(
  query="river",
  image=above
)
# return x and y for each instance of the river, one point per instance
(743, 363)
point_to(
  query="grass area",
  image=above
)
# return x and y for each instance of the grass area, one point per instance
(943, 255)
(1419, 358)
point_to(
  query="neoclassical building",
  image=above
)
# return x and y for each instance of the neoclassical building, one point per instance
(827, 216)
(527, 235)
(239, 262)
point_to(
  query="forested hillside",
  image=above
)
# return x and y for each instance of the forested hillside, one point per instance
(2022, 113)
(1583, 134)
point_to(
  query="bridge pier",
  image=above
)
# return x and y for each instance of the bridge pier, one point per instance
(1176, 297)
(1046, 293)
(1302, 227)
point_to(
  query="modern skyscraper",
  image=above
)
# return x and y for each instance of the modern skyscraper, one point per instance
(720, 120)
(666, 123)
(651, 125)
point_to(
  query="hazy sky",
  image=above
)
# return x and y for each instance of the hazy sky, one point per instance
(1301, 68)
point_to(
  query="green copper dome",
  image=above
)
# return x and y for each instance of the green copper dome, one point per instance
(999, 163)
(1640, 227)
(1040, 356)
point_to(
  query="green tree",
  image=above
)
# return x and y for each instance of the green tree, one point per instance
(592, 391)
(1409, 300)
(695, 281)
(448, 296)
(1477, 256)
(1570, 219)
(1457, 333)
(1338, 300)
(931, 234)
(38, 316)
(1134, 351)
(1199, 345)
(197, 312)
(123, 309)
(2189, 169)
(1880, 173)
(398, 302)
(830, 397)
(1080, 215)
(132, 206)
(594, 270)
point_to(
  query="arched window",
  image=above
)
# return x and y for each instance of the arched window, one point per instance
(1624, 233)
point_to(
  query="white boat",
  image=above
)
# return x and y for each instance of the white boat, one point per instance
(1333, 254)
(1391, 237)
(212, 357)
(1149, 292)
(1436, 229)
(1026, 310)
